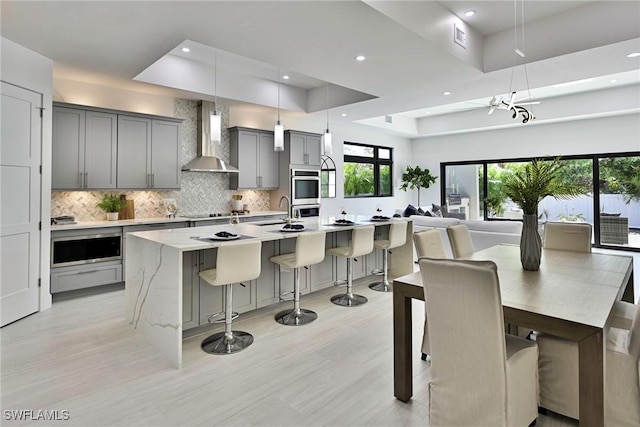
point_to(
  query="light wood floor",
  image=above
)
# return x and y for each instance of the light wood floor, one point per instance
(338, 371)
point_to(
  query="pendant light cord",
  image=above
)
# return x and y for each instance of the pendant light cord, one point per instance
(327, 104)
(215, 81)
(516, 49)
(278, 95)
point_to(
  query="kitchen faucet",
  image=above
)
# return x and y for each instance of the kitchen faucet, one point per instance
(288, 207)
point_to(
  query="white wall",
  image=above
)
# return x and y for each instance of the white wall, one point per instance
(30, 70)
(597, 135)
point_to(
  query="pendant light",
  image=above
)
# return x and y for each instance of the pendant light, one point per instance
(215, 119)
(327, 136)
(278, 129)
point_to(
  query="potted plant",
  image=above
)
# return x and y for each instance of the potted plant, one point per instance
(527, 187)
(111, 204)
(417, 178)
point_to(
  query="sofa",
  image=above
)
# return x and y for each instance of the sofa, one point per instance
(484, 234)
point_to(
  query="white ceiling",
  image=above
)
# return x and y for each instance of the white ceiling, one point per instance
(411, 56)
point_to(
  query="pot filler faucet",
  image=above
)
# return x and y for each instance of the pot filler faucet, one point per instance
(288, 200)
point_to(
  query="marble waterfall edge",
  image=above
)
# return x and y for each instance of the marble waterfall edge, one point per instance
(154, 274)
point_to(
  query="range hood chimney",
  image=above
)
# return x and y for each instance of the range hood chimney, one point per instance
(206, 160)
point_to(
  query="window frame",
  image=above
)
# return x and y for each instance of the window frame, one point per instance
(595, 175)
(376, 161)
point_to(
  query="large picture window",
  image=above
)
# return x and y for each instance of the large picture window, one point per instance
(611, 203)
(367, 170)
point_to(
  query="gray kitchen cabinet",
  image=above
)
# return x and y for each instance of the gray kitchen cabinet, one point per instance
(84, 146)
(321, 274)
(302, 148)
(267, 288)
(148, 153)
(251, 150)
(85, 276)
(190, 291)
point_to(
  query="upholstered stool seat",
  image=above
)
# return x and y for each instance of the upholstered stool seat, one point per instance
(235, 263)
(397, 237)
(309, 250)
(361, 243)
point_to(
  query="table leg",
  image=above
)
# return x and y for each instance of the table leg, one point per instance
(591, 374)
(402, 363)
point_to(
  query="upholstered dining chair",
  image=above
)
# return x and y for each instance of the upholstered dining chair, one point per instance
(568, 236)
(428, 243)
(558, 368)
(460, 239)
(479, 376)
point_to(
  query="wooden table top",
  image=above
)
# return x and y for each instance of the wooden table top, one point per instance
(574, 286)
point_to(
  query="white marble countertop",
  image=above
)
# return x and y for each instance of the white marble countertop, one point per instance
(191, 239)
(156, 220)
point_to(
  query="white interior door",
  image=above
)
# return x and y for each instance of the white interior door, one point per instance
(20, 148)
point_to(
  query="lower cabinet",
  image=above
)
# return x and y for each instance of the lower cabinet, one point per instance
(85, 276)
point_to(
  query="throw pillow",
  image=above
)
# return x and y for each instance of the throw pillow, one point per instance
(410, 210)
(420, 211)
(428, 213)
(439, 211)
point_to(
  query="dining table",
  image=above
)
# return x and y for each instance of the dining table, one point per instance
(571, 296)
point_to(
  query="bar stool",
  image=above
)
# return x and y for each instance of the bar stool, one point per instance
(361, 244)
(397, 237)
(309, 250)
(235, 262)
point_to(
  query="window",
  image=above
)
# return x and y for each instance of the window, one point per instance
(327, 178)
(367, 170)
(611, 203)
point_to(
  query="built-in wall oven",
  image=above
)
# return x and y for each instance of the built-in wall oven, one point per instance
(305, 187)
(85, 249)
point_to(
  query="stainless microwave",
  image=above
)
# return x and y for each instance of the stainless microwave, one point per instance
(305, 187)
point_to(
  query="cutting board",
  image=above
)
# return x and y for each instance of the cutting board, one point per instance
(128, 212)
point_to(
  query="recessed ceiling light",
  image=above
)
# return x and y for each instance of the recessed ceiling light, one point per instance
(186, 50)
(633, 55)
(360, 58)
(470, 13)
(446, 93)
(286, 77)
(344, 114)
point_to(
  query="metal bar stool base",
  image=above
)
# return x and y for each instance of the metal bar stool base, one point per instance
(291, 318)
(219, 344)
(347, 300)
(381, 287)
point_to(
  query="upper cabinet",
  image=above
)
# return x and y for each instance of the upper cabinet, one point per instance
(148, 153)
(302, 148)
(84, 147)
(95, 149)
(251, 150)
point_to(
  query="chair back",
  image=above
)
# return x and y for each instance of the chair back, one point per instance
(568, 236)
(310, 247)
(633, 345)
(460, 239)
(361, 241)
(237, 262)
(468, 350)
(429, 243)
(397, 234)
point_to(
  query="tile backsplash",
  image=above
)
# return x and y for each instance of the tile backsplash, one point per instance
(200, 192)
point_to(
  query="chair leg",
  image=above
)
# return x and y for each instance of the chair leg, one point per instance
(229, 341)
(298, 316)
(384, 285)
(349, 299)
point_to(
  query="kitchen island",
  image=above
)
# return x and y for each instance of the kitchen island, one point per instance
(160, 264)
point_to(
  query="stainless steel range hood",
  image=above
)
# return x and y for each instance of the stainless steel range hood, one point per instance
(207, 160)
